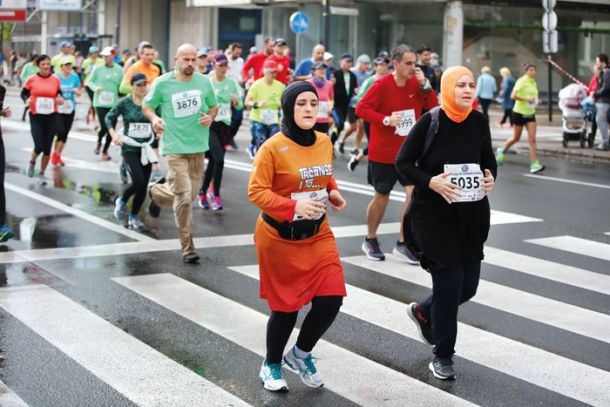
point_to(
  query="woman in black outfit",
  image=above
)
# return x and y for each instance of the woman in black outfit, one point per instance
(449, 230)
(5, 232)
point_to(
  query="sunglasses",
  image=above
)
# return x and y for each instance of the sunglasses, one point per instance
(140, 84)
(223, 64)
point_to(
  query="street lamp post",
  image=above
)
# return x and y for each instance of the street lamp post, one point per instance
(549, 43)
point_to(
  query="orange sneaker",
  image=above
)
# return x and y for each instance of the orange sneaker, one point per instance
(54, 158)
(60, 161)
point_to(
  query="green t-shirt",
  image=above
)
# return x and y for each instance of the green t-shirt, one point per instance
(89, 66)
(224, 90)
(28, 70)
(181, 104)
(135, 125)
(271, 94)
(109, 79)
(364, 87)
(346, 80)
(524, 87)
(56, 61)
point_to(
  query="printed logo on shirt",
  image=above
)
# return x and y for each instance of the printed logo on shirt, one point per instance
(309, 173)
(282, 149)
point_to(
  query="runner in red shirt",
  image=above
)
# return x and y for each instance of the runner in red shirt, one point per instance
(284, 73)
(392, 106)
(255, 63)
(326, 96)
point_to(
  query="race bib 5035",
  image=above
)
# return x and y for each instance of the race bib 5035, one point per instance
(469, 177)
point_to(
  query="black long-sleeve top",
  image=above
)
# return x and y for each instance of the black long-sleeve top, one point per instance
(447, 232)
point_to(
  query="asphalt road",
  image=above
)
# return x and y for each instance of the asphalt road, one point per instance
(92, 314)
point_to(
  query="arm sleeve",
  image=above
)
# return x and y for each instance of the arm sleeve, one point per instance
(237, 91)
(92, 84)
(153, 96)
(260, 192)
(478, 92)
(245, 71)
(113, 115)
(210, 95)
(431, 100)
(411, 150)
(367, 107)
(126, 87)
(300, 70)
(25, 93)
(605, 89)
(332, 185)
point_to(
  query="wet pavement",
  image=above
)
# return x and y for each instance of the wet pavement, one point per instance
(94, 314)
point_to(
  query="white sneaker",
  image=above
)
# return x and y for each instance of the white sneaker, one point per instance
(272, 377)
(305, 367)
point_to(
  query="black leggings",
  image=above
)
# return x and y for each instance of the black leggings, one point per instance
(216, 158)
(450, 289)
(140, 174)
(65, 125)
(323, 312)
(44, 128)
(485, 107)
(508, 114)
(2, 196)
(101, 118)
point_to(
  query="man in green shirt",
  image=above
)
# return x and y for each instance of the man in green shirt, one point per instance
(188, 108)
(89, 64)
(105, 81)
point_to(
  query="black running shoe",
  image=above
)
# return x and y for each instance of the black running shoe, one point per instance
(191, 258)
(442, 368)
(423, 325)
(371, 248)
(341, 147)
(351, 165)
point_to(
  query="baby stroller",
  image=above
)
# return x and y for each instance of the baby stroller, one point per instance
(573, 116)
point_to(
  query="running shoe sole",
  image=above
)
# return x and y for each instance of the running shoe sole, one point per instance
(363, 247)
(537, 170)
(438, 376)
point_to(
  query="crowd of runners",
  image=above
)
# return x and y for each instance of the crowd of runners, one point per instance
(300, 119)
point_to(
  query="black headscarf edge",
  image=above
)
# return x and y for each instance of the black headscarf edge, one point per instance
(289, 127)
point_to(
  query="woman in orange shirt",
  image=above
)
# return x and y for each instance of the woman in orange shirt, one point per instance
(299, 263)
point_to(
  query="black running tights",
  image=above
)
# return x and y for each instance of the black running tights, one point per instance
(216, 161)
(323, 312)
(2, 196)
(101, 118)
(140, 174)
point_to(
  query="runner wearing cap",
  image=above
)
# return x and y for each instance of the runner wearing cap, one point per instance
(42, 93)
(345, 88)
(392, 106)
(188, 107)
(145, 66)
(363, 66)
(228, 95)
(70, 85)
(203, 64)
(264, 99)
(281, 59)
(236, 66)
(105, 81)
(67, 50)
(136, 148)
(255, 63)
(326, 96)
(89, 64)
(303, 72)
(381, 69)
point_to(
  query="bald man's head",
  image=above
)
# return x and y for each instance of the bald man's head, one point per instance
(186, 58)
(318, 53)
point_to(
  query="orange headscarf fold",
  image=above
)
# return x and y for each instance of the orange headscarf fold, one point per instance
(448, 82)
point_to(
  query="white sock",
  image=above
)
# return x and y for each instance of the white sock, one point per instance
(300, 353)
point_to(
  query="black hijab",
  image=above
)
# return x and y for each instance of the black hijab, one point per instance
(300, 136)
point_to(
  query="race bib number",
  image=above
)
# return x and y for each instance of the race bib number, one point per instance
(106, 98)
(268, 116)
(224, 112)
(407, 122)
(323, 110)
(469, 177)
(66, 108)
(45, 105)
(139, 130)
(186, 103)
(319, 195)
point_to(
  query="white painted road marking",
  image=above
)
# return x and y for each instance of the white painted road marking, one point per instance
(575, 245)
(567, 181)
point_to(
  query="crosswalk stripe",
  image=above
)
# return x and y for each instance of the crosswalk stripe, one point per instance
(247, 328)
(137, 371)
(547, 269)
(567, 181)
(561, 375)
(576, 245)
(9, 398)
(534, 307)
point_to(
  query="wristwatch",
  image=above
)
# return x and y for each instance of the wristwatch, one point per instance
(386, 121)
(426, 87)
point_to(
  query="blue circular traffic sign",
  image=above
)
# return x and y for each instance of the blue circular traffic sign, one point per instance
(299, 22)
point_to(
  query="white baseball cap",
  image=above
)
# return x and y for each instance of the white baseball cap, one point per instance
(328, 55)
(107, 51)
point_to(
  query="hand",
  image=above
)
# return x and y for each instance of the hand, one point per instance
(439, 184)
(280, 67)
(157, 137)
(488, 182)
(205, 120)
(421, 78)
(310, 209)
(336, 200)
(260, 104)
(60, 100)
(234, 100)
(6, 112)
(117, 141)
(531, 99)
(395, 120)
(158, 125)
(28, 102)
(99, 89)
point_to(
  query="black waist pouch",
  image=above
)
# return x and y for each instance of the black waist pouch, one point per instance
(295, 230)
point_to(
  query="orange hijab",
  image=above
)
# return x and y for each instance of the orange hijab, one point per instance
(448, 82)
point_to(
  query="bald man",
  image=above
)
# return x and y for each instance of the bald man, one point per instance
(303, 71)
(188, 107)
